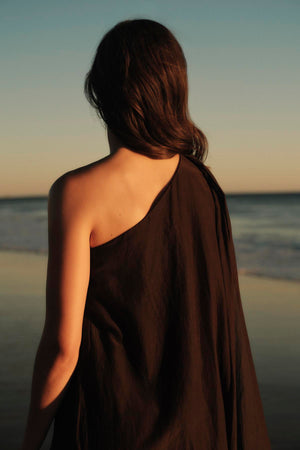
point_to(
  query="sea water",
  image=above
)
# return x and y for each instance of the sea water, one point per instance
(265, 230)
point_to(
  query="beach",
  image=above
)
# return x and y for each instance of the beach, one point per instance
(272, 313)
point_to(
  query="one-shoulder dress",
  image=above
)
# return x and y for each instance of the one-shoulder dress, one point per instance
(165, 361)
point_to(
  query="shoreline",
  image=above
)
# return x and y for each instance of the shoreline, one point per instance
(242, 273)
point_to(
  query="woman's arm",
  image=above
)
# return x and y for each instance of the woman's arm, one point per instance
(67, 283)
(50, 376)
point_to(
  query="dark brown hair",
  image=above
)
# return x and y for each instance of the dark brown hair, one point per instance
(138, 85)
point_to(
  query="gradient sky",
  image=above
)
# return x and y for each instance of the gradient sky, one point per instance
(243, 68)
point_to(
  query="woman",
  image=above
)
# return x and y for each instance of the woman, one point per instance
(144, 344)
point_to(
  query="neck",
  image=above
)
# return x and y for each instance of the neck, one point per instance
(114, 143)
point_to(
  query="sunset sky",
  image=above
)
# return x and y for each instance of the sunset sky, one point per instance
(244, 93)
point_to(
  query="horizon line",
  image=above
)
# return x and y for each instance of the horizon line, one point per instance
(43, 196)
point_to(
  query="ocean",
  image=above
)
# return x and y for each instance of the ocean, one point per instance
(265, 230)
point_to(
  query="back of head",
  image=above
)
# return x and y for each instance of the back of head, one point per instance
(138, 85)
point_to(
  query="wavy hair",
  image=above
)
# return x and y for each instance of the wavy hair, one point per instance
(138, 85)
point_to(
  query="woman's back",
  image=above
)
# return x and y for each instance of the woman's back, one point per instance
(165, 360)
(120, 191)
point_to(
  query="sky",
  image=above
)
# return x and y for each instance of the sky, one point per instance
(244, 94)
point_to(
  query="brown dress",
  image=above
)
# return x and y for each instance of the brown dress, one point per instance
(165, 360)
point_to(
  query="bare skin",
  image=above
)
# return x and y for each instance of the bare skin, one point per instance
(87, 207)
(128, 182)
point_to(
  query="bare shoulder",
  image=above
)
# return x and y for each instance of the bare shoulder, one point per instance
(73, 193)
(78, 175)
(110, 195)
